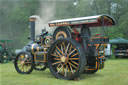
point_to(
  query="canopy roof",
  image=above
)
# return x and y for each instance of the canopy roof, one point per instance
(90, 21)
(118, 40)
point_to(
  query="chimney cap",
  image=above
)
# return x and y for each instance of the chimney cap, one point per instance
(34, 17)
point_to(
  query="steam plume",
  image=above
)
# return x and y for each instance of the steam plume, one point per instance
(47, 13)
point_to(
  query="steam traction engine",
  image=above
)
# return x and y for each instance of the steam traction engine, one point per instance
(70, 51)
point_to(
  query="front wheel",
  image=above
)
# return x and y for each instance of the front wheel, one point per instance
(24, 63)
(4, 57)
(66, 59)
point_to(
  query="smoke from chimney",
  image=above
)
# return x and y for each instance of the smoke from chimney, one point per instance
(47, 13)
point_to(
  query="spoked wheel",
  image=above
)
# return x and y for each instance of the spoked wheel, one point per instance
(40, 66)
(24, 63)
(66, 59)
(62, 32)
(4, 57)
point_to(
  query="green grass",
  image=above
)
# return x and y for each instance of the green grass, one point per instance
(114, 73)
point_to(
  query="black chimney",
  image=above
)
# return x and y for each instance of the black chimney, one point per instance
(32, 27)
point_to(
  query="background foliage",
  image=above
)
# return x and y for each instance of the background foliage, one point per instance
(14, 16)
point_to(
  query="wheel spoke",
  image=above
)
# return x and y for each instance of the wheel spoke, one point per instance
(22, 68)
(65, 71)
(59, 50)
(71, 69)
(55, 55)
(59, 69)
(73, 65)
(56, 59)
(62, 48)
(26, 58)
(72, 52)
(70, 48)
(73, 58)
(58, 53)
(67, 47)
(56, 63)
(68, 68)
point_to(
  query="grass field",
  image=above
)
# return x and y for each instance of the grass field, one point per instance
(114, 73)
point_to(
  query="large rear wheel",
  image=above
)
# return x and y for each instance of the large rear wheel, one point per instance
(24, 63)
(66, 59)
